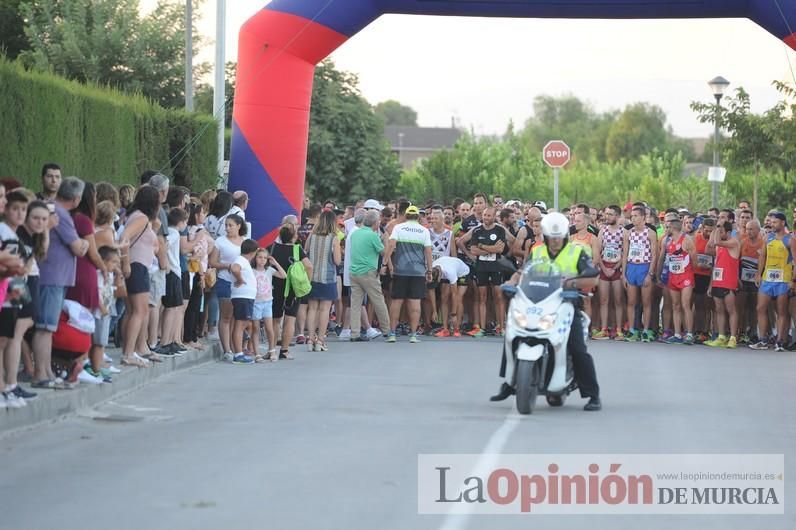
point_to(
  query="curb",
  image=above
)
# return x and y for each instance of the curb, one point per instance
(54, 405)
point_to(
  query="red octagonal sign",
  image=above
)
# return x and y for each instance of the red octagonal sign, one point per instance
(556, 153)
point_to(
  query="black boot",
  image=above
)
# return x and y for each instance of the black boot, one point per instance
(505, 392)
(593, 404)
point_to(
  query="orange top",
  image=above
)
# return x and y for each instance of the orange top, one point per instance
(704, 264)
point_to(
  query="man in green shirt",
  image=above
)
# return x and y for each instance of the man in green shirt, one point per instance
(366, 246)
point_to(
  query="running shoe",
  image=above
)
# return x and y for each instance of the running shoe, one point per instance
(22, 393)
(391, 337)
(779, 347)
(413, 339)
(242, 358)
(667, 333)
(619, 335)
(633, 336)
(444, 332)
(457, 333)
(499, 332)
(688, 339)
(601, 334)
(647, 336)
(731, 343)
(760, 345)
(718, 342)
(476, 332)
(674, 339)
(301, 339)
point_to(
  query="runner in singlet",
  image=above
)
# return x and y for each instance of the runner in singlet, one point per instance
(609, 248)
(703, 267)
(640, 252)
(724, 284)
(662, 276)
(746, 300)
(680, 253)
(775, 276)
(588, 241)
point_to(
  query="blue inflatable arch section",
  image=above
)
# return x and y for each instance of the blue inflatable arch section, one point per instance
(280, 46)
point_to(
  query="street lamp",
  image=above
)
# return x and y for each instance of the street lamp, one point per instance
(400, 149)
(718, 85)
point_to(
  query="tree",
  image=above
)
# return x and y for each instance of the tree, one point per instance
(108, 42)
(751, 142)
(394, 113)
(204, 94)
(348, 155)
(12, 29)
(638, 130)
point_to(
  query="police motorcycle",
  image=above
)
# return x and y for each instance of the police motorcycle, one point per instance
(537, 330)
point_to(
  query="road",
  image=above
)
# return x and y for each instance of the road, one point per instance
(330, 440)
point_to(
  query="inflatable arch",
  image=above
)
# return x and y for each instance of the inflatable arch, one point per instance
(280, 46)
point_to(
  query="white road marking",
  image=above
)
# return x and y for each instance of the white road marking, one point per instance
(486, 462)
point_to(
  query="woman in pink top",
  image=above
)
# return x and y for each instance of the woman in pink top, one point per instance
(203, 244)
(142, 220)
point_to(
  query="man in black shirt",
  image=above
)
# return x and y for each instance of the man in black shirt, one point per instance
(487, 243)
(584, 209)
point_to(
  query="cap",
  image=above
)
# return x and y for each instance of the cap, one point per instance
(541, 205)
(373, 204)
(412, 210)
(628, 207)
(778, 215)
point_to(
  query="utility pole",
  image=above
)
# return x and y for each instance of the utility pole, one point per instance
(219, 97)
(189, 55)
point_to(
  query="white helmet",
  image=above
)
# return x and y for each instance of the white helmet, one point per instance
(555, 225)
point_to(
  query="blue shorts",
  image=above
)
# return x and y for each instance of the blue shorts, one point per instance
(223, 289)
(637, 273)
(243, 309)
(774, 289)
(263, 309)
(51, 302)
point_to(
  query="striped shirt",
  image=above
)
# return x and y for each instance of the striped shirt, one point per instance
(319, 249)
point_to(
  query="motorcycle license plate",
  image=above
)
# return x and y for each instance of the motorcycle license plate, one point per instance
(529, 353)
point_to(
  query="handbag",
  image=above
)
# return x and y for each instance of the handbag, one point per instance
(210, 278)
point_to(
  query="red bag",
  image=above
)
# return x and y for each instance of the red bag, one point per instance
(70, 339)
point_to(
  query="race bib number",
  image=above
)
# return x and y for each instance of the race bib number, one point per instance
(748, 275)
(488, 257)
(611, 254)
(775, 275)
(676, 266)
(435, 256)
(704, 261)
(718, 275)
(636, 252)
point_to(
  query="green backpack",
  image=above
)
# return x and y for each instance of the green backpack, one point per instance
(297, 278)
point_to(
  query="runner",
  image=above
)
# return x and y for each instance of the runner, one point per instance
(775, 273)
(609, 248)
(703, 268)
(751, 247)
(584, 238)
(680, 254)
(441, 245)
(724, 283)
(639, 252)
(449, 271)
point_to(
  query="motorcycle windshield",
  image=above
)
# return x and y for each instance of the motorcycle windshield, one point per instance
(539, 280)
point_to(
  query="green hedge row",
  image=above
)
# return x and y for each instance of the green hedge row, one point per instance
(97, 133)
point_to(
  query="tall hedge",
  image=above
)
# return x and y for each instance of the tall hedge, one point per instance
(97, 133)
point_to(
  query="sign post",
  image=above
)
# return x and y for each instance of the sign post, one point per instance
(556, 154)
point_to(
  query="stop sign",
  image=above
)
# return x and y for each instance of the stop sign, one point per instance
(556, 153)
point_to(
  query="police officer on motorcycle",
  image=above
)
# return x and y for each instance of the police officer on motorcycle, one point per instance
(572, 260)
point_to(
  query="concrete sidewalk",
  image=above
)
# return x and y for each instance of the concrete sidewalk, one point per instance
(52, 405)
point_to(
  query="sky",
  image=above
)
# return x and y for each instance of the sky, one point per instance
(484, 72)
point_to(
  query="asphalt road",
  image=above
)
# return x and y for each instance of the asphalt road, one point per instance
(330, 440)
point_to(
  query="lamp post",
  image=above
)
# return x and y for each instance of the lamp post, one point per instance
(718, 85)
(401, 149)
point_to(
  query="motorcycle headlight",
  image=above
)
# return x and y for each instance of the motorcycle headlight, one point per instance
(520, 318)
(547, 322)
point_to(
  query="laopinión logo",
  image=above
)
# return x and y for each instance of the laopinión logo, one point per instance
(601, 484)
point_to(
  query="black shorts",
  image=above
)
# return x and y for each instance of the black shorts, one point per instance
(281, 306)
(408, 288)
(173, 297)
(243, 308)
(720, 292)
(29, 310)
(487, 278)
(346, 291)
(386, 281)
(8, 321)
(747, 287)
(186, 285)
(701, 283)
(138, 282)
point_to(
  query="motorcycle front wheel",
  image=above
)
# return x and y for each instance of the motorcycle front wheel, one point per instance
(529, 376)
